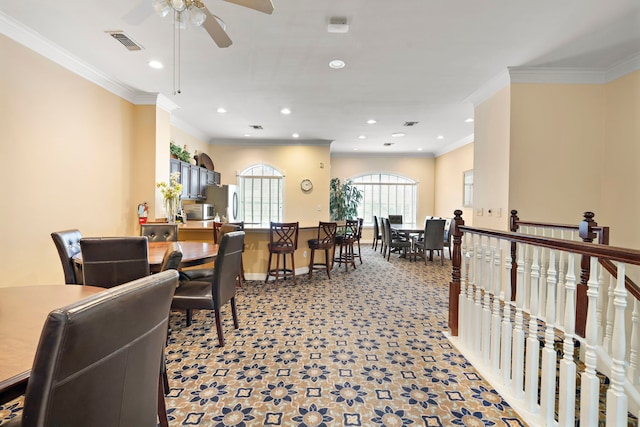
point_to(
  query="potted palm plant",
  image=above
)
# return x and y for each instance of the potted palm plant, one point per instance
(344, 199)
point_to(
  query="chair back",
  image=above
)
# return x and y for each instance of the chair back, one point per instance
(160, 232)
(386, 230)
(434, 234)
(359, 232)
(98, 360)
(376, 227)
(448, 225)
(111, 261)
(227, 228)
(283, 235)
(226, 267)
(327, 233)
(395, 219)
(172, 257)
(68, 244)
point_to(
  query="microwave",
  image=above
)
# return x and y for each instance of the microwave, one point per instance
(199, 211)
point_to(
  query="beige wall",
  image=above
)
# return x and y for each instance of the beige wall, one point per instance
(620, 184)
(295, 163)
(449, 169)
(557, 134)
(420, 169)
(491, 161)
(67, 163)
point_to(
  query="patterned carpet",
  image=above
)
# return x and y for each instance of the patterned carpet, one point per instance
(365, 348)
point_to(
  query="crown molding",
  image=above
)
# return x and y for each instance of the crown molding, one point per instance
(358, 155)
(18, 32)
(489, 89)
(271, 142)
(451, 147)
(623, 68)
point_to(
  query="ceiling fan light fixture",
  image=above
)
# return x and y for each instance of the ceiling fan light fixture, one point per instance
(161, 7)
(182, 19)
(179, 5)
(196, 15)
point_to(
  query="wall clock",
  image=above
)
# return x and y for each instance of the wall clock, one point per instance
(306, 185)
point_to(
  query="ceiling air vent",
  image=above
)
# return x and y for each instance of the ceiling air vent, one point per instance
(410, 123)
(388, 144)
(125, 40)
(256, 127)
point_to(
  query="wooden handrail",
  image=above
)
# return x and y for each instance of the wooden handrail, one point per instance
(588, 230)
(628, 283)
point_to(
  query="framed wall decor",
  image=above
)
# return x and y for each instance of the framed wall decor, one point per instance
(467, 189)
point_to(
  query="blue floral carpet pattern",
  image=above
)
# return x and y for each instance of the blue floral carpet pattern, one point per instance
(366, 348)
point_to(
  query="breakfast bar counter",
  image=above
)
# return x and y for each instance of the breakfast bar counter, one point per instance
(256, 239)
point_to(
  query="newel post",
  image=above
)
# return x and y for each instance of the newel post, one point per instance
(587, 234)
(456, 261)
(513, 226)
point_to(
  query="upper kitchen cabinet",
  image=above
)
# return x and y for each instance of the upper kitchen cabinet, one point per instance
(194, 179)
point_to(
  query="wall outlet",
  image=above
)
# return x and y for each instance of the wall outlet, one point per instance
(304, 254)
(319, 208)
(499, 212)
(479, 212)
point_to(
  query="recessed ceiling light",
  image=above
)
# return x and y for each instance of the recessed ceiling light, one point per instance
(355, 149)
(247, 135)
(295, 135)
(336, 64)
(440, 137)
(221, 110)
(285, 111)
(419, 149)
(156, 64)
(371, 121)
(362, 137)
(469, 120)
(397, 134)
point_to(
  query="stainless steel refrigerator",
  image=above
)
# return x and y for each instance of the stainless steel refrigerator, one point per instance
(225, 201)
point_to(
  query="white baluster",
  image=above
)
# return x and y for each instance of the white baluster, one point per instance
(507, 327)
(542, 285)
(533, 344)
(517, 374)
(608, 332)
(589, 383)
(567, 394)
(477, 306)
(470, 290)
(549, 357)
(632, 374)
(495, 315)
(562, 271)
(486, 304)
(462, 313)
(616, 398)
(602, 293)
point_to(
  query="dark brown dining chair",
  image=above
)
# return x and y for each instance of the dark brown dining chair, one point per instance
(160, 232)
(283, 241)
(377, 236)
(111, 261)
(432, 239)
(68, 244)
(356, 241)
(324, 242)
(195, 294)
(395, 242)
(98, 359)
(206, 274)
(395, 219)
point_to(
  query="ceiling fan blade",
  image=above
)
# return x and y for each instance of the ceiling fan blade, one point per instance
(139, 13)
(265, 6)
(215, 30)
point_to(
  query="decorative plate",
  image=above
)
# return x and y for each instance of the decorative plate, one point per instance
(205, 160)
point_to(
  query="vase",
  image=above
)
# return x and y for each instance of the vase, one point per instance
(171, 209)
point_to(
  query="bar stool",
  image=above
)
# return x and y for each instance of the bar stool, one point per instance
(325, 241)
(345, 241)
(356, 242)
(283, 241)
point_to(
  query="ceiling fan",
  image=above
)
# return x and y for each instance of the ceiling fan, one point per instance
(196, 13)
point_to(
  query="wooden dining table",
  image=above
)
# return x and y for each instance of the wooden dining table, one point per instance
(23, 311)
(193, 253)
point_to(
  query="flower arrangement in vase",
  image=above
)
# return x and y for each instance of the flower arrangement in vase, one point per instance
(171, 193)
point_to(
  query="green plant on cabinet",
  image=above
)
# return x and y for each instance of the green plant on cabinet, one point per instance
(344, 199)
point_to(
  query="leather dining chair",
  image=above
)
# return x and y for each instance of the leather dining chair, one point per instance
(394, 242)
(68, 244)
(206, 274)
(98, 359)
(432, 239)
(324, 242)
(377, 236)
(111, 261)
(160, 232)
(195, 294)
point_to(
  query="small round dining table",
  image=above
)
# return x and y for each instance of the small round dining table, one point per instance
(193, 253)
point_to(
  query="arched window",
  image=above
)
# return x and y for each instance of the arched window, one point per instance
(261, 194)
(386, 194)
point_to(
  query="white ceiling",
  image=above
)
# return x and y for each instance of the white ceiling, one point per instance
(407, 60)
